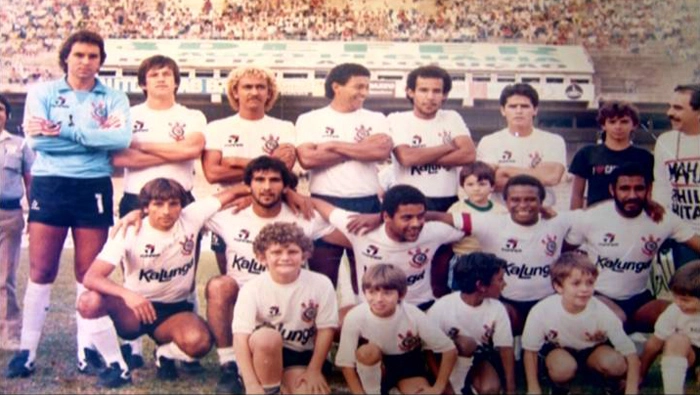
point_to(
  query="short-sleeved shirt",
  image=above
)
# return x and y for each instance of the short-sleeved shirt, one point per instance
(595, 164)
(502, 148)
(82, 148)
(549, 322)
(433, 180)
(406, 330)
(239, 230)
(16, 158)
(159, 265)
(470, 244)
(529, 250)
(413, 257)
(244, 138)
(622, 248)
(351, 178)
(488, 323)
(166, 126)
(673, 320)
(297, 310)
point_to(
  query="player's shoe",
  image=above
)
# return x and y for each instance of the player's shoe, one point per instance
(19, 365)
(114, 376)
(91, 364)
(230, 381)
(166, 369)
(134, 361)
(191, 368)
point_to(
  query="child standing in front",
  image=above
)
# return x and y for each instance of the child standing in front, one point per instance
(572, 330)
(677, 330)
(285, 318)
(389, 333)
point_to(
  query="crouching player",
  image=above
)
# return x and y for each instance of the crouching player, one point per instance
(572, 330)
(159, 274)
(478, 324)
(285, 318)
(677, 330)
(390, 333)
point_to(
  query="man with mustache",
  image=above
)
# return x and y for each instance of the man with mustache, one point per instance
(677, 166)
(621, 239)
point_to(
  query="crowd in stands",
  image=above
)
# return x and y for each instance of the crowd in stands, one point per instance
(30, 29)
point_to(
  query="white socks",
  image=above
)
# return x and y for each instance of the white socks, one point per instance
(370, 377)
(673, 373)
(226, 355)
(36, 305)
(172, 351)
(136, 345)
(104, 336)
(82, 333)
(459, 373)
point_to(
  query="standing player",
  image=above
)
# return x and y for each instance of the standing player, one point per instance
(234, 141)
(593, 164)
(430, 144)
(622, 240)
(520, 148)
(17, 159)
(340, 144)
(73, 124)
(677, 165)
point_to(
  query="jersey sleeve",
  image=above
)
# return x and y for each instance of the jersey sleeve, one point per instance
(579, 225)
(104, 136)
(201, 210)
(461, 126)
(486, 151)
(114, 249)
(661, 192)
(399, 133)
(328, 314)
(680, 231)
(436, 313)
(666, 323)
(304, 130)
(615, 331)
(213, 136)
(445, 233)
(199, 121)
(431, 335)
(579, 164)
(503, 335)
(349, 338)
(320, 227)
(339, 218)
(533, 334)
(557, 151)
(289, 136)
(245, 311)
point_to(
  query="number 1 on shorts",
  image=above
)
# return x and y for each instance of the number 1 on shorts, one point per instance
(100, 205)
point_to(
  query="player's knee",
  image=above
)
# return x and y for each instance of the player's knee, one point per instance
(222, 288)
(487, 385)
(465, 346)
(560, 369)
(196, 343)
(368, 354)
(613, 364)
(266, 340)
(89, 304)
(677, 344)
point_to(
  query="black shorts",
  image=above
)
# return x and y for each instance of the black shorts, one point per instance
(441, 204)
(130, 202)
(163, 312)
(363, 205)
(71, 202)
(581, 357)
(522, 307)
(292, 358)
(218, 244)
(425, 306)
(492, 356)
(402, 366)
(631, 305)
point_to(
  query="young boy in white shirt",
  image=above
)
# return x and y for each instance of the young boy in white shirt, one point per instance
(572, 330)
(390, 333)
(677, 331)
(285, 318)
(478, 324)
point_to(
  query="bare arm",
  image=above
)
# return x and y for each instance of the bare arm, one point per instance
(244, 357)
(230, 194)
(287, 154)
(312, 156)
(338, 238)
(215, 170)
(549, 173)
(376, 147)
(136, 159)
(417, 156)
(188, 148)
(530, 361)
(323, 207)
(577, 189)
(694, 243)
(313, 377)
(446, 364)
(632, 384)
(353, 380)
(27, 177)
(508, 360)
(465, 153)
(652, 349)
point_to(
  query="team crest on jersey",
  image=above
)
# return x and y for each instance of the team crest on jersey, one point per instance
(507, 156)
(446, 136)
(271, 144)
(552, 336)
(417, 141)
(453, 333)
(59, 102)
(409, 341)
(233, 141)
(99, 113)
(243, 236)
(535, 159)
(274, 311)
(418, 257)
(489, 330)
(149, 251)
(371, 251)
(330, 132)
(177, 131)
(362, 133)
(596, 337)
(139, 127)
(187, 245)
(609, 240)
(511, 246)
(550, 245)
(309, 311)
(649, 245)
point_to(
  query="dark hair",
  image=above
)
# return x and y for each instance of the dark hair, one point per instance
(264, 162)
(282, 233)
(429, 72)
(342, 74)
(162, 189)
(473, 268)
(385, 276)
(8, 107)
(617, 109)
(567, 263)
(686, 280)
(694, 90)
(524, 179)
(521, 89)
(401, 194)
(82, 36)
(630, 169)
(480, 170)
(157, 62)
